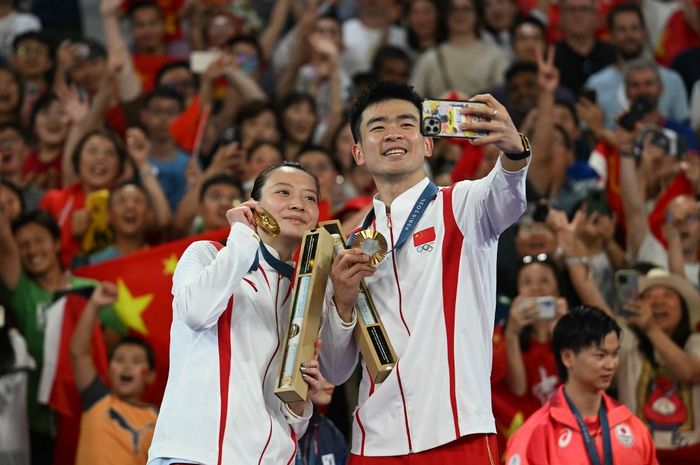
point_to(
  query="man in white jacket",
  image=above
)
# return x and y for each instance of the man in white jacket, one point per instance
(435, 291)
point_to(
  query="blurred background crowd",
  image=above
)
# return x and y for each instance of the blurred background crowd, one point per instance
(126, 125)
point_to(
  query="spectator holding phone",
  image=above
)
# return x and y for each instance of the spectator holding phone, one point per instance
(532, 374)
(581, 423)
(422, 298)
(678, 211)
(659, 376)
(629, 36)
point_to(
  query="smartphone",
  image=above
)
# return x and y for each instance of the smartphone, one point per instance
(200, 60)
(441, 118)
(546, 306)
(590, 95)
(596, 202)
(540, 212)
(626, 288)
(228, 136)
(639, 108)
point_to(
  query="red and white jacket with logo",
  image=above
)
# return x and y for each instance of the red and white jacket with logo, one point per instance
(225, 352)
(436, 296)
(551, 436)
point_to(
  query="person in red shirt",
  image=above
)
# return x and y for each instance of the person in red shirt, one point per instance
(581, 424)
(532, 374)
(98, 160)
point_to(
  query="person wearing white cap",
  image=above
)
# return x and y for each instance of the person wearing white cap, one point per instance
(659, 374)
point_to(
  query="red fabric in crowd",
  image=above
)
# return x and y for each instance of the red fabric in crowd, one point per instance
(61, 203)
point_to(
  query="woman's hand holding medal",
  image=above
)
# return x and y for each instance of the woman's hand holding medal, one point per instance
(254, 216)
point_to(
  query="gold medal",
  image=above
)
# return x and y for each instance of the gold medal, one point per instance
(266, 222)
(371, 243)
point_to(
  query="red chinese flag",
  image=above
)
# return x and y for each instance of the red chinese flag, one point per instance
(144, 303)
(424, 236)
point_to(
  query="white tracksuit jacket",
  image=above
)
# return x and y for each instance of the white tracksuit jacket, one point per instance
(225, 351)
(437, 300)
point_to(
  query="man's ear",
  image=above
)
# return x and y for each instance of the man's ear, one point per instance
(567, 358)
(357, 154)
(429, 144)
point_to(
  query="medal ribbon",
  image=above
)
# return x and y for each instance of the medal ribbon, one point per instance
(412, 221)
(285, 269)
(587, 439)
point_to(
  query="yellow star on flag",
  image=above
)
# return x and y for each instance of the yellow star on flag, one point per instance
(169, 265)
(130, 308)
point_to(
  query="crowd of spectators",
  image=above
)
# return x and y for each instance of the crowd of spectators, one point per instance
(153, 130)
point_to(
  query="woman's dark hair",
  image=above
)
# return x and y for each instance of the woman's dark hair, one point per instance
(263, 143)
(179, 64)
(680, 334)
(136, 341)
(260, 181)
(20, 86)
(579, 329)
(481, 9)
(253, 109)
(217, 179)
(130, 182)
(477, 12)
(541, 259)
(15, 190)
(43, 103)
(324, 152)
(296, 98)
(122, 155)
(440, 26)
(41, 218)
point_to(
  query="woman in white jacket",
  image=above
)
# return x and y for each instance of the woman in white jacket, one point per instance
(230, 309)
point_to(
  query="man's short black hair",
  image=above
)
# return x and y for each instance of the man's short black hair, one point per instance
(260, 181)
(520, 67)
(380, 91)
(314, 148)
(41, 218)
(579, 329)
(15, 190)
(217, 179)
(263, 143)
(129, 182)
(166, 93)
(135, 6)
(569, 105)
(37, 36)
(14, 126)
(389, 52)
(624, 8)
(177, 64)
(529, 19)
(253, 109)
(136, 341)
